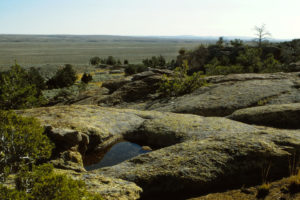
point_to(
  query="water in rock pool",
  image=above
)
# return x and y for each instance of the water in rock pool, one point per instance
(118, 153)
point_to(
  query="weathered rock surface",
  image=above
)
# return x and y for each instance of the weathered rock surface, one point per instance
(198, 154)
(280, 116)
(221, 161)
(229, 93)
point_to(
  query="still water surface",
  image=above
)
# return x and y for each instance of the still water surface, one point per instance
(118, 153)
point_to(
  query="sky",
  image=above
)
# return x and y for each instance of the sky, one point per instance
(150, 17)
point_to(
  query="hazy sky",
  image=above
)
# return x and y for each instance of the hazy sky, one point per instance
(150, 17)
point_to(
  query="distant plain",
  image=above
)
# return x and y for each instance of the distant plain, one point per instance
(56, 50)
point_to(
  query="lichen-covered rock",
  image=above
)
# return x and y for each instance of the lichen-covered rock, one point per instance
(109, 188)
(99, 124)
(218, 162)
(222, 99)
(198, 154)
(281, 115)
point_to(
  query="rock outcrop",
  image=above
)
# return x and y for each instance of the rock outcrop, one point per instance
(280, 115)
(192, 154)
(227, 94)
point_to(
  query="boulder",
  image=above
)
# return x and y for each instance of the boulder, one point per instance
(280, 116)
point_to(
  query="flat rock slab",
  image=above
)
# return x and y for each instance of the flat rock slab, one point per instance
(217, 163)
(222, 99)
(280, 116)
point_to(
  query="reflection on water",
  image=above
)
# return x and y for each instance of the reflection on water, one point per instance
(118, 153)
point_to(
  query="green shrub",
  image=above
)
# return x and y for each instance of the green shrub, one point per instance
(111, 60)
(181, 83)
(22, 142)
(43, 184)
(17, 91)
(270, 64)
(95, 60)
(133, 69)
(64, 77)
(12, 194)
(155, 62)
(86, 78)
(34, 77)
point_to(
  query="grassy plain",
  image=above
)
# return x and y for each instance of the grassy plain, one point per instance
(56, 50)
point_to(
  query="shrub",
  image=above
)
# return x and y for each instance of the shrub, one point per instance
(12, 194)
(64, 77)
(43, 184)
(155, 62)
(86, 78)
(95, 60)
(17, 90)
(111, 60)
(250, 60)
(181, 83)
(22, 142)
(126, 62)
(270, 64)
(34, 77)
(133, 69)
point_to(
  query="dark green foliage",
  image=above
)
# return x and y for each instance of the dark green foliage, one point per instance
(34, 77)
(235, 58)
(18, 89)
(133, 69)
(236, 43)
(155, 62)
(126, 62)
(250, 60)
(64, 77)
(22, 142)
(181, 83)
(95, 60)
(12, 194)
(86, 78)
(111, 60)
(43, 184)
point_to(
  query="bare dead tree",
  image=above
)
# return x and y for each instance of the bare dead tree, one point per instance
(261, 34)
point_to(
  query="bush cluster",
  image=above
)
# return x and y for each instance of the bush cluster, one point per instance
(64, 77)
(181, 83)
(22, 142)
(236, 57)
(110, 60)
(155, 62)
(133, 69)
(41, 183)
(21, 89)
(86, 78)
(22, 146)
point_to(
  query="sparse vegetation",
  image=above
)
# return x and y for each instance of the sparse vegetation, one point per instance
(181, 83)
